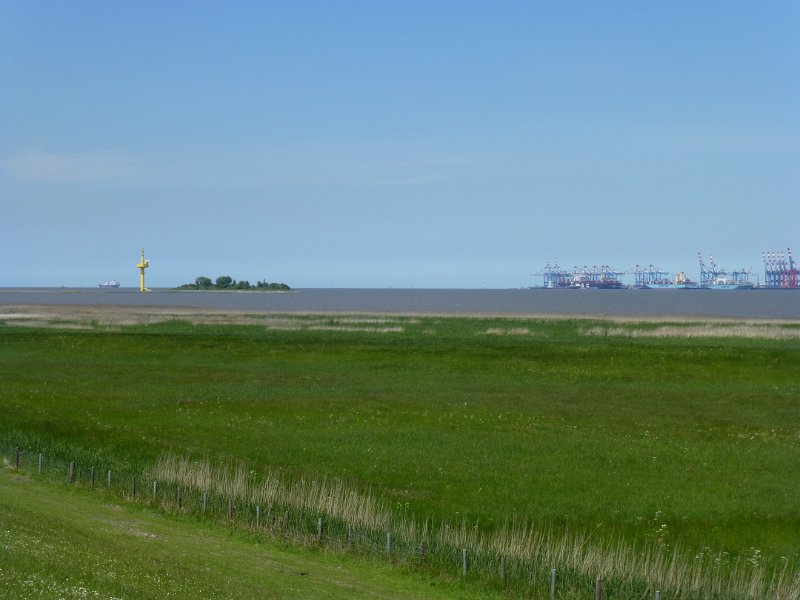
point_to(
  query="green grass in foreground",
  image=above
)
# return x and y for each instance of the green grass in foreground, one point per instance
(660, 440)
(60, 543)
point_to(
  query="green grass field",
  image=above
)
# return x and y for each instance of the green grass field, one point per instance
(631, 433)
(59, 543)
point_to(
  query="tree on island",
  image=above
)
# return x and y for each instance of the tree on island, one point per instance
(226, 282)
(263, 285)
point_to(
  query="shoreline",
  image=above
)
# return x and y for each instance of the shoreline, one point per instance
(642, 305)
(44, 314)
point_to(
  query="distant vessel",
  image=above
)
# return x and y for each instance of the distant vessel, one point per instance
(713, 277)
(605, 283)
(681, 282)
(109, 284)
(729, 283)
(581, 278)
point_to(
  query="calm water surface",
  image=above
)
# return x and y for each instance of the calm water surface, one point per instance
(749, 304)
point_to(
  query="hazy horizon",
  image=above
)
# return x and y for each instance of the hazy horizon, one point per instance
(394, 145)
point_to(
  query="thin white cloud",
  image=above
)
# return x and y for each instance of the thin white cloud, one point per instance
(358, 171)
(69, 167)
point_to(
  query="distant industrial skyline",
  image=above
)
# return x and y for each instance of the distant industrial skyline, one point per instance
(416, 144)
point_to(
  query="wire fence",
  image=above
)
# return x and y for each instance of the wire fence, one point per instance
(425, 548)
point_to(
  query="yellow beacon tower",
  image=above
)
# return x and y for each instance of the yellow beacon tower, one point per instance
(143, 264)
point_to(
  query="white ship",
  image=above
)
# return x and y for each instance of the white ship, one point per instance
(729, 283)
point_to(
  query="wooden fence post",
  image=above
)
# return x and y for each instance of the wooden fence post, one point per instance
(658, 595)
(319, 528)
(389, 542)
(41, 459)
(552, 583)
(155, 489)
(463, 562)
(109, 478)
(92, 476)
(349, 536)
(598, 589)
(72, 472)
(258, 516)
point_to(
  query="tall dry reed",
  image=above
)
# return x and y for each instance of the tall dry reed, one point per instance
(535, 547)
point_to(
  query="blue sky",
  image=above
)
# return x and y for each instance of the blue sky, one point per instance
(393, 144)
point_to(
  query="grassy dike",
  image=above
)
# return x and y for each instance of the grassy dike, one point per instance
(65, 543)
(680, 438)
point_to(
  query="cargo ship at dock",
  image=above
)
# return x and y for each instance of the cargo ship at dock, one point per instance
(680, 282)
(712, 277)
(728, 283)
(597, 284)
(581, 278)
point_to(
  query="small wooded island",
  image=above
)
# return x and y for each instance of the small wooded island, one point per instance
(225, 282)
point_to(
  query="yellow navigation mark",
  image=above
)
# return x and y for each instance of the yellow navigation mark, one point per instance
(143, 264)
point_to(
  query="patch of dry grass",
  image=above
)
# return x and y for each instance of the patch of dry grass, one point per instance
(115, 317)
(509, 331)
(707, 330)
(356, 329)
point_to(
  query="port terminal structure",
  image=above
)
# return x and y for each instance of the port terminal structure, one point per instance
(713, 275)
(780, 270)
(644, 276)
(602, 277)
(606, 278)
